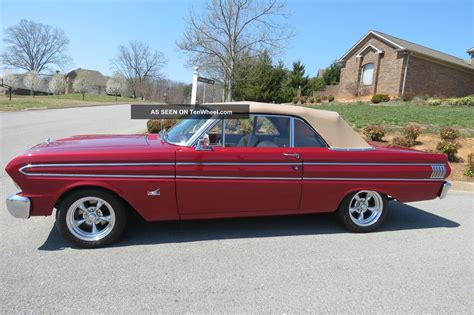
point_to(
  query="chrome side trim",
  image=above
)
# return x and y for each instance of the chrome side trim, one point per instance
(307, 178)
(98, 175)
(305, 163)
(350, 149)
(236, 177)
(372, 179)
(18, 206)
(28, 166)
(370, 164)
(238, 163)
(444, 190)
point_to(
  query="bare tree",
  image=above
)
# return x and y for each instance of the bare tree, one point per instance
(57, 84)
(32, 81)
(231, 28)
(138, 63)
(81, 85)
(116, 85)
(34, 47)
(9, 79)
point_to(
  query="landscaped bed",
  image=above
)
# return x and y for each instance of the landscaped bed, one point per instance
(396, 115)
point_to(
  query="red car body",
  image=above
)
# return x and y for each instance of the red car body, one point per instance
(162, 181)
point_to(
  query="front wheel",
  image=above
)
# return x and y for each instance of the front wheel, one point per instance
(363, 211)
(91, 218)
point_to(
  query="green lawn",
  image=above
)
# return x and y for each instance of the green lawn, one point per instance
(50, 101)
(396, 116)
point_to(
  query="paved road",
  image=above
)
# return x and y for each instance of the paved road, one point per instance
(420, 261)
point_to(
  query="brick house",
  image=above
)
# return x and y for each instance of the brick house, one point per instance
(381, 63)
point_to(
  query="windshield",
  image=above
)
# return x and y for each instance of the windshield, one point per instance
(184, 130)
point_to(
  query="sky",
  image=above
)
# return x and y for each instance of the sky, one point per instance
(324, 30)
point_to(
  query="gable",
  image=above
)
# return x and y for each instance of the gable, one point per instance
(370, 40)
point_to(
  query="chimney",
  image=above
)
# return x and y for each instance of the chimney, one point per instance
(471, 53)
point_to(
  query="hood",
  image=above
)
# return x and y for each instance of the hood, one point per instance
(95, 142)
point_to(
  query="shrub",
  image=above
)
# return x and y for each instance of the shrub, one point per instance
(412, 132)
(418, 101)
(469, 171)
(403, 141)
(296, 99)
(156, 125)
(450, 148)
(374, 132)
(461, 101)
(408, 96)
(303, 99)
(433, 101)
(311, 100)
(449, 134)
(318, 99)
(379, 98)
(331, 98)
(325, 97)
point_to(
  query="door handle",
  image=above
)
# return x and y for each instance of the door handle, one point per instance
(295, 155)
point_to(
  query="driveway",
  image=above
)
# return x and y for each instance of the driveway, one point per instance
(420, 261)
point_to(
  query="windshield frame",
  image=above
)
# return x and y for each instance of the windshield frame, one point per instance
(194, 137)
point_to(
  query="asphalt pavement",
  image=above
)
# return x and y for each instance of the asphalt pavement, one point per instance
(421, 260)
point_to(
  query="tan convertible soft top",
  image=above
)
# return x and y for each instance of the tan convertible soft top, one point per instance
(337, 133)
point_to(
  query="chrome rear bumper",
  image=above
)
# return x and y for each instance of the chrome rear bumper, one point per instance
(19, 206)
(444, 190)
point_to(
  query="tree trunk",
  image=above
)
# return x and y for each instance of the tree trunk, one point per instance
(116, 97)
(228, 97)
(83, 95)
(32, 93)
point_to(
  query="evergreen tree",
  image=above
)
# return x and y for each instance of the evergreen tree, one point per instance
(332, 74)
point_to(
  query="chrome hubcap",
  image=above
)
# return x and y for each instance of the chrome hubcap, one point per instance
(90, 218)
(366, 207)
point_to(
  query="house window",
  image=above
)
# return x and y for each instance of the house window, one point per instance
(367, 74)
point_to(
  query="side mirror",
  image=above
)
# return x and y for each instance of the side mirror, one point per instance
(203, 143)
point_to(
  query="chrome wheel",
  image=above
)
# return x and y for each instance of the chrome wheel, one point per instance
(366, 207)
(90, 218)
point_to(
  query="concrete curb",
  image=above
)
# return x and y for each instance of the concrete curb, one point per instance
(462, 186)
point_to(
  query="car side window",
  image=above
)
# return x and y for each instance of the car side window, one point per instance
(238, 132)
(306, 137)
(258, 131)
(215, 135)
(272, 131)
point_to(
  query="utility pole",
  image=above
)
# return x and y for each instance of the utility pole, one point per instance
(194, 86)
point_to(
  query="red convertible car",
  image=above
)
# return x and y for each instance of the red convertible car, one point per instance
(280, 160)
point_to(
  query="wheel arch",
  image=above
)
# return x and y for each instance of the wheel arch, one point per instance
(93, 185)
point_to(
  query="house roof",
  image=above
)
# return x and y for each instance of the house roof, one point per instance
(42, 87)
(334, 130)
(95, 77)
(404, 45)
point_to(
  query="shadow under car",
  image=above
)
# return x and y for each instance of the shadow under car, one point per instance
(140, 232)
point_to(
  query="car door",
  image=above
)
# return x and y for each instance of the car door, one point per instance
(249, 167)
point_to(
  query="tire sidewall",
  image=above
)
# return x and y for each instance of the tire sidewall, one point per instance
(117, 205)
(344, 216)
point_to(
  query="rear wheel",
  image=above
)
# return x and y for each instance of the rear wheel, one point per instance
(91, 218)
(363, 211)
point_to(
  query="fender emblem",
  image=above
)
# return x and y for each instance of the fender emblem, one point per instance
(154, 192)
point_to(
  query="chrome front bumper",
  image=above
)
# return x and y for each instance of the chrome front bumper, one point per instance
(444, 190)
(19, 206)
